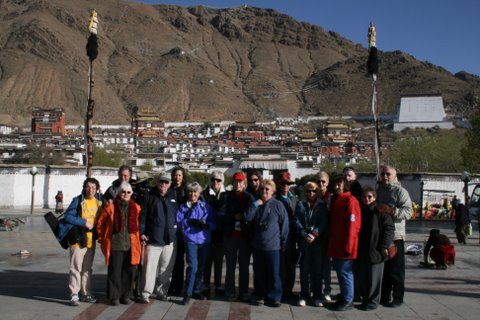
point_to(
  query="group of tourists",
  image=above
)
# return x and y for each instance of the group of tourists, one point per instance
(159, 229)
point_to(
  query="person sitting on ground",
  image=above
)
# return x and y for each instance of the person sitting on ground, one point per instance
(442, 251)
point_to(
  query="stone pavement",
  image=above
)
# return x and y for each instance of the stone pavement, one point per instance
(35, 287)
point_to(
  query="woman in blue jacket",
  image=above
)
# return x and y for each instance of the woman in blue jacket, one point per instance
(196, 219)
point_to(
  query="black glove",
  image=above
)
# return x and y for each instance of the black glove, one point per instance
(205, 225)
(346, 254)
(195, 223)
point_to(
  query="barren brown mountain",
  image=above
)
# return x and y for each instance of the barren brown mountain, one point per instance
(198, 63)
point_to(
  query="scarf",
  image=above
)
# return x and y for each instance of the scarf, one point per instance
(118, 216)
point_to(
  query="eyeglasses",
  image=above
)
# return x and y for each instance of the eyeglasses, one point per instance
(321, 181)
(368, 196)
(311, 191)
(254, 180)
(126, 192)
(216, 180)
(163, 182)
(265, 189)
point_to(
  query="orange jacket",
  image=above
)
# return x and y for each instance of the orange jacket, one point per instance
(104, 229)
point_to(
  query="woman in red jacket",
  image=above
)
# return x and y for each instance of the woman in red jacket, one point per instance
(345, 223)
(119, 238)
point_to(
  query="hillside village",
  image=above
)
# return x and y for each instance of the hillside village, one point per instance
(299, 145)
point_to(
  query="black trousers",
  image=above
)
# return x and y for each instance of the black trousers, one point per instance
(393, 283)
(289, 259)
(120, 275)
(178, 273)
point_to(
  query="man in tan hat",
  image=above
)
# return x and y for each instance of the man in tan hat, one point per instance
(289, 257)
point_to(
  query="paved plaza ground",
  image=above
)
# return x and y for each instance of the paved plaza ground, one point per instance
(35, 287)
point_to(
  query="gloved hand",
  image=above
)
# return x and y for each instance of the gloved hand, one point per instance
(195, 223)
(385, 209)
(346, 254)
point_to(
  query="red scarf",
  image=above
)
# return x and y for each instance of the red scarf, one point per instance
(118, 216)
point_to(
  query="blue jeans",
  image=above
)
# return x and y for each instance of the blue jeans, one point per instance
(344, 268)
(266, 274)
(196, 256)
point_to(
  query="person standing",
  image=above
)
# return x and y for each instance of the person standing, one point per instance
(196, 219)
(78, 224)
(376, 236)
(290, 254)
(212, 195)
(311, 223)
(270, 227)
(119, 237)
(158, 228)
(232, 215)
(254, 181)
(353, 184)
(462, 222)
(345, 223)
(178, 187)
(322, 179)
(124, 174)
(393, 199)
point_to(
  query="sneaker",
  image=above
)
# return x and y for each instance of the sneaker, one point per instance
(275, 304)
(74, 300)
(257, 301)
(301, 302)
(88, 298)
(144, 299)
(327, 298)
(318, 303)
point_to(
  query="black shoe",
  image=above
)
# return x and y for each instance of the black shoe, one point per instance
(198, 296)
(367, 306)
(114, 302)
(186, 300)
(343, 306)
(384, 303)
(274, 304)
(395, 304)
(219, 292)
(125, 300)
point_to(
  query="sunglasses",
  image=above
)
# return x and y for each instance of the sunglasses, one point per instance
(311, 191)
(163, 182)
(265, 189)
(216, 180)
(126, 192)
(368, 197)
(321, 181)
(254, 180)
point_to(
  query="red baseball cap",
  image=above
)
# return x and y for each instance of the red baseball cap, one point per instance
(239, 176)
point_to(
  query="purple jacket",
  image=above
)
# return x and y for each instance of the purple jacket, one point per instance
(201, 211)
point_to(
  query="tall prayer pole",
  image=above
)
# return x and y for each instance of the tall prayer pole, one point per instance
(92, 52)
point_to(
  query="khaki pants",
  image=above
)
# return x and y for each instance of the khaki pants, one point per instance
(81, 260)
(157, 268)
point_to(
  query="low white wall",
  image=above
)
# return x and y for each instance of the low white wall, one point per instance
(16, 190)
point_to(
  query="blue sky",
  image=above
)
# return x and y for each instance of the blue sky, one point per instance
(443, 32)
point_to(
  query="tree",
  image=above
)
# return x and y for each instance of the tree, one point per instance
(38, 154)
(471, 152)
(107, 158)
(427, 151)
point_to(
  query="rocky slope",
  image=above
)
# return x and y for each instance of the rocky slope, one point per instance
(198, 63)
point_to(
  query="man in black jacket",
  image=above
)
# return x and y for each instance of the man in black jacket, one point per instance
(158, 228)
